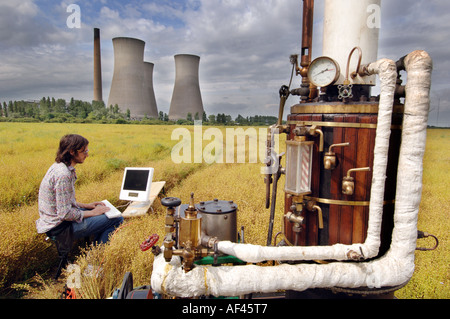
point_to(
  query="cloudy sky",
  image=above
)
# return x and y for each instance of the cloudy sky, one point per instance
(244, 47)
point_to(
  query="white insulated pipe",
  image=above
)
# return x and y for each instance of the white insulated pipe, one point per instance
(252, 253)
(395, 268)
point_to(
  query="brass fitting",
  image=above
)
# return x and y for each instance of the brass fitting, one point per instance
(190, 226)
(188, 257)
(293, 218)
(329, 159)
(301, 130)
(319, 215)
(348, 182)
(170, 203)
(314, 131)
(168, 249)
(312, 207)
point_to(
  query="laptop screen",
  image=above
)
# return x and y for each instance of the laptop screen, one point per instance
(136, 183)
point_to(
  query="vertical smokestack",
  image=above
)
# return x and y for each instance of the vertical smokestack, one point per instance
(128, 78)
(356, 17)
(149, 93)
(98, 95)
(186, 96)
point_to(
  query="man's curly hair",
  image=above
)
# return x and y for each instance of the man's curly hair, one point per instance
(68, 143)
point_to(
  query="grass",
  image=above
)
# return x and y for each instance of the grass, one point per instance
(431, 279)
(28, 150)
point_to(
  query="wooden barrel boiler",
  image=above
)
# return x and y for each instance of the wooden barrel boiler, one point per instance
(333, 212)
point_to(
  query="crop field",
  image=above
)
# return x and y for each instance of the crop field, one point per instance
(27, 150)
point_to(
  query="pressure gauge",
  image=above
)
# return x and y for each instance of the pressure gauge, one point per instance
(323, 71)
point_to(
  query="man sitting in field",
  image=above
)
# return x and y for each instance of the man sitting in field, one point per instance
(58, 208)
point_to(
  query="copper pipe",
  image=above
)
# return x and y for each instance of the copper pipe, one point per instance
(355, 73)
(307, 34)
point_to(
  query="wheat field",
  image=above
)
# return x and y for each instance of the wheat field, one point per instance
(29, 149)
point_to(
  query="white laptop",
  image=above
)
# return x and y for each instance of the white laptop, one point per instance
(136, 184)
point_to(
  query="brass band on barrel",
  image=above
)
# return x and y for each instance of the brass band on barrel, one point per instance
(344, 202)
(338, 108)
(340, 124)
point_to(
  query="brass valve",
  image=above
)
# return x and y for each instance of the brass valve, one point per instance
(301, 130)
(319, 215)
(168, 248)
(295, 218)
(348, 182)
(190, 226)
(170, 203)
(312, 207)
(329, 159)
(314, 131)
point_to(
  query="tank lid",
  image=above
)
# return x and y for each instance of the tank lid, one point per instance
(217, 207)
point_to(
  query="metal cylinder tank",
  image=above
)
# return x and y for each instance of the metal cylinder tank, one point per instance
(127, 86)
(98, 95)
(350, 23)
(186, 96)
(149, 91)
(219, 219)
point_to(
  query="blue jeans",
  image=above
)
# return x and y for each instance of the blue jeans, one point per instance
(100, 226)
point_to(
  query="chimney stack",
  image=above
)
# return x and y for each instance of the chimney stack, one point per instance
(98, 95)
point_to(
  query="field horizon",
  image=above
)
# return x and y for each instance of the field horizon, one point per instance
(28, 150)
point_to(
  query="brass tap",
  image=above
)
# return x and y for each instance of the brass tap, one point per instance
(312, 207)
(293, 218)
(348, 182)
(319, 215)
(314, 131)
(188, 256)
(329, 159)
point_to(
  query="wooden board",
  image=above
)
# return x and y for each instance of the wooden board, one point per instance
(136, 209)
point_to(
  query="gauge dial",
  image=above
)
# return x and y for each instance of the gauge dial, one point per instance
(323, 71)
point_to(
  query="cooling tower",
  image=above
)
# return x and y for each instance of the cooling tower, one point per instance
(186, 96)
(98, 95)
(127, 86)
(149, 93)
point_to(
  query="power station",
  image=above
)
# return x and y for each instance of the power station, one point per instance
(132, 83)
(132, 78)
(186, 96)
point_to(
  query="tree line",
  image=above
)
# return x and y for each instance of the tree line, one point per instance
(77, 111)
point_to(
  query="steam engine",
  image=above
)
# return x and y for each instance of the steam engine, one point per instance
(346, 210)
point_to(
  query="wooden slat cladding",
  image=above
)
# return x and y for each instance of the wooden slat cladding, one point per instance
(344, 222)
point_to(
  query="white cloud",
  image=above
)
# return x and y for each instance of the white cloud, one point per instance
(244, 45)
